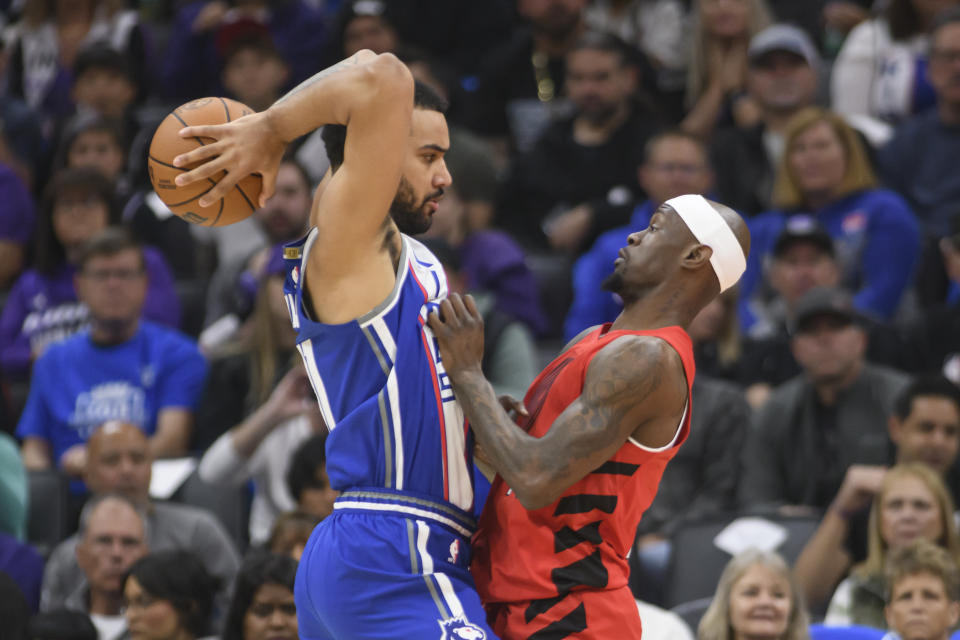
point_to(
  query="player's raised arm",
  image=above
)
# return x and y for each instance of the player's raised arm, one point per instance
(365, 88)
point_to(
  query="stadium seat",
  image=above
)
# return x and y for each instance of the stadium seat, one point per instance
(691, 612)
(47, 520)
(696, 561)
(230, 505)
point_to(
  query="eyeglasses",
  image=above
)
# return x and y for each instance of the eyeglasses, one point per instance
(266, 609)
(102, 275)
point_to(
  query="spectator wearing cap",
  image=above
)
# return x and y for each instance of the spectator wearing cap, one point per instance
(824, 173)
(924, 428)
(919, 162)
(363, 24)
(831, 416)
(254, 72)
(192, 65)
(782, 78)
(803, 257)
(276, 412)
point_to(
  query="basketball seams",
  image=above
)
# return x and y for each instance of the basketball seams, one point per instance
(164, 171)
(170, 166)
(226, 109)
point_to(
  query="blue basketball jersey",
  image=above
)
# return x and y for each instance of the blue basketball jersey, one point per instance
(393, 419)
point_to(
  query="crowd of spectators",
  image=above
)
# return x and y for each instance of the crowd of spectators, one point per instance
(828, 383)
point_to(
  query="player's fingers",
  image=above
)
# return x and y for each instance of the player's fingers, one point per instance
(448, 314)
(471, 306)
(204, 171)
(214, 131)
(269, 185)
(456, 302)
(199, 154)
(221, 189)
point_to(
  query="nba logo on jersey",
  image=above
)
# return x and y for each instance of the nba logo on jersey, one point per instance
(454, 552)
(459, 629)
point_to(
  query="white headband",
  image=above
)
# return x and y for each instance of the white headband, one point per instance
(709, 228)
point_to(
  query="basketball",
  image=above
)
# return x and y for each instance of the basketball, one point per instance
(167, 144)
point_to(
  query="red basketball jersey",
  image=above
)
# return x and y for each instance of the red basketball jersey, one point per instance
(581, 541)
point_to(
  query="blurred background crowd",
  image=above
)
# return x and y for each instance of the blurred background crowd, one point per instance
(161, 455)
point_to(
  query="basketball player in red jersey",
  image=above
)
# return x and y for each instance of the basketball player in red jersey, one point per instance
(599, 425)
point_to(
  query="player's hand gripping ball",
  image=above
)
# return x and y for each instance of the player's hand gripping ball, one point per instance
(167, 144)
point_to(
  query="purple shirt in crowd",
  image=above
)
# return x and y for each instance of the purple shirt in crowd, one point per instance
(17, 217)
(44, 309)
(493, 261)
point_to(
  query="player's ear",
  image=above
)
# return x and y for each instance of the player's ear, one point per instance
(696, 255)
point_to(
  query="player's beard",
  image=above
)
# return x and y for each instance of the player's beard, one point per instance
(410, 216)
(614, 283)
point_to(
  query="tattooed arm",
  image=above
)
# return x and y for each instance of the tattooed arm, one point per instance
(633, 387)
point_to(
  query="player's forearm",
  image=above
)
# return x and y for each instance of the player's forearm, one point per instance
(364, 80)
(513, 453)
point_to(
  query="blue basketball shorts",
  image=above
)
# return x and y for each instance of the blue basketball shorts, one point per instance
(389, 565)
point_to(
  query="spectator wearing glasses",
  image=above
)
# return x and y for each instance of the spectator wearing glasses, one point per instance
(122, 368)
(42, 307)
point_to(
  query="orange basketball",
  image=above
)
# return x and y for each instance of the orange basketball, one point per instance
(167, 144)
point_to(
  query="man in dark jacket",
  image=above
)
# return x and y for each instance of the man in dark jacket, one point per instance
(831, 416)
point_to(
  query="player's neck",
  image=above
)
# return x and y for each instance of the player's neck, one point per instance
(111, 332)
(661, 306)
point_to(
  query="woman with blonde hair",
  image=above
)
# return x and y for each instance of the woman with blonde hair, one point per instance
(756, 598)
(825, 174)
(912, 504)
(258, 407)
(720, 32)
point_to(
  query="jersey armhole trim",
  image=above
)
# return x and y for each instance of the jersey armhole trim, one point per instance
(672, 442)
(379, 310)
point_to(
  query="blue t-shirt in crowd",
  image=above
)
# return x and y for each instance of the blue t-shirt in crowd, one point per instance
(78, 385)
(877, 243)
(591, 304)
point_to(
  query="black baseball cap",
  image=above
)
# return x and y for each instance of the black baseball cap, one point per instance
(803, 228)
(825, 301)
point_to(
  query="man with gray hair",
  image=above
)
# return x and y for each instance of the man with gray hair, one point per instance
(119, 463)
(112, 536)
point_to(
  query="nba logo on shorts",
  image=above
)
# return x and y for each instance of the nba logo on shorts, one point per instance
(459, 629)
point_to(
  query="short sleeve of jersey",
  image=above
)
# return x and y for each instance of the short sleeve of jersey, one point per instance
(35, 421)
(182, 371)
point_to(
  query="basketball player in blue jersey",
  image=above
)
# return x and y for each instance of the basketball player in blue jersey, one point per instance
(392, 560)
